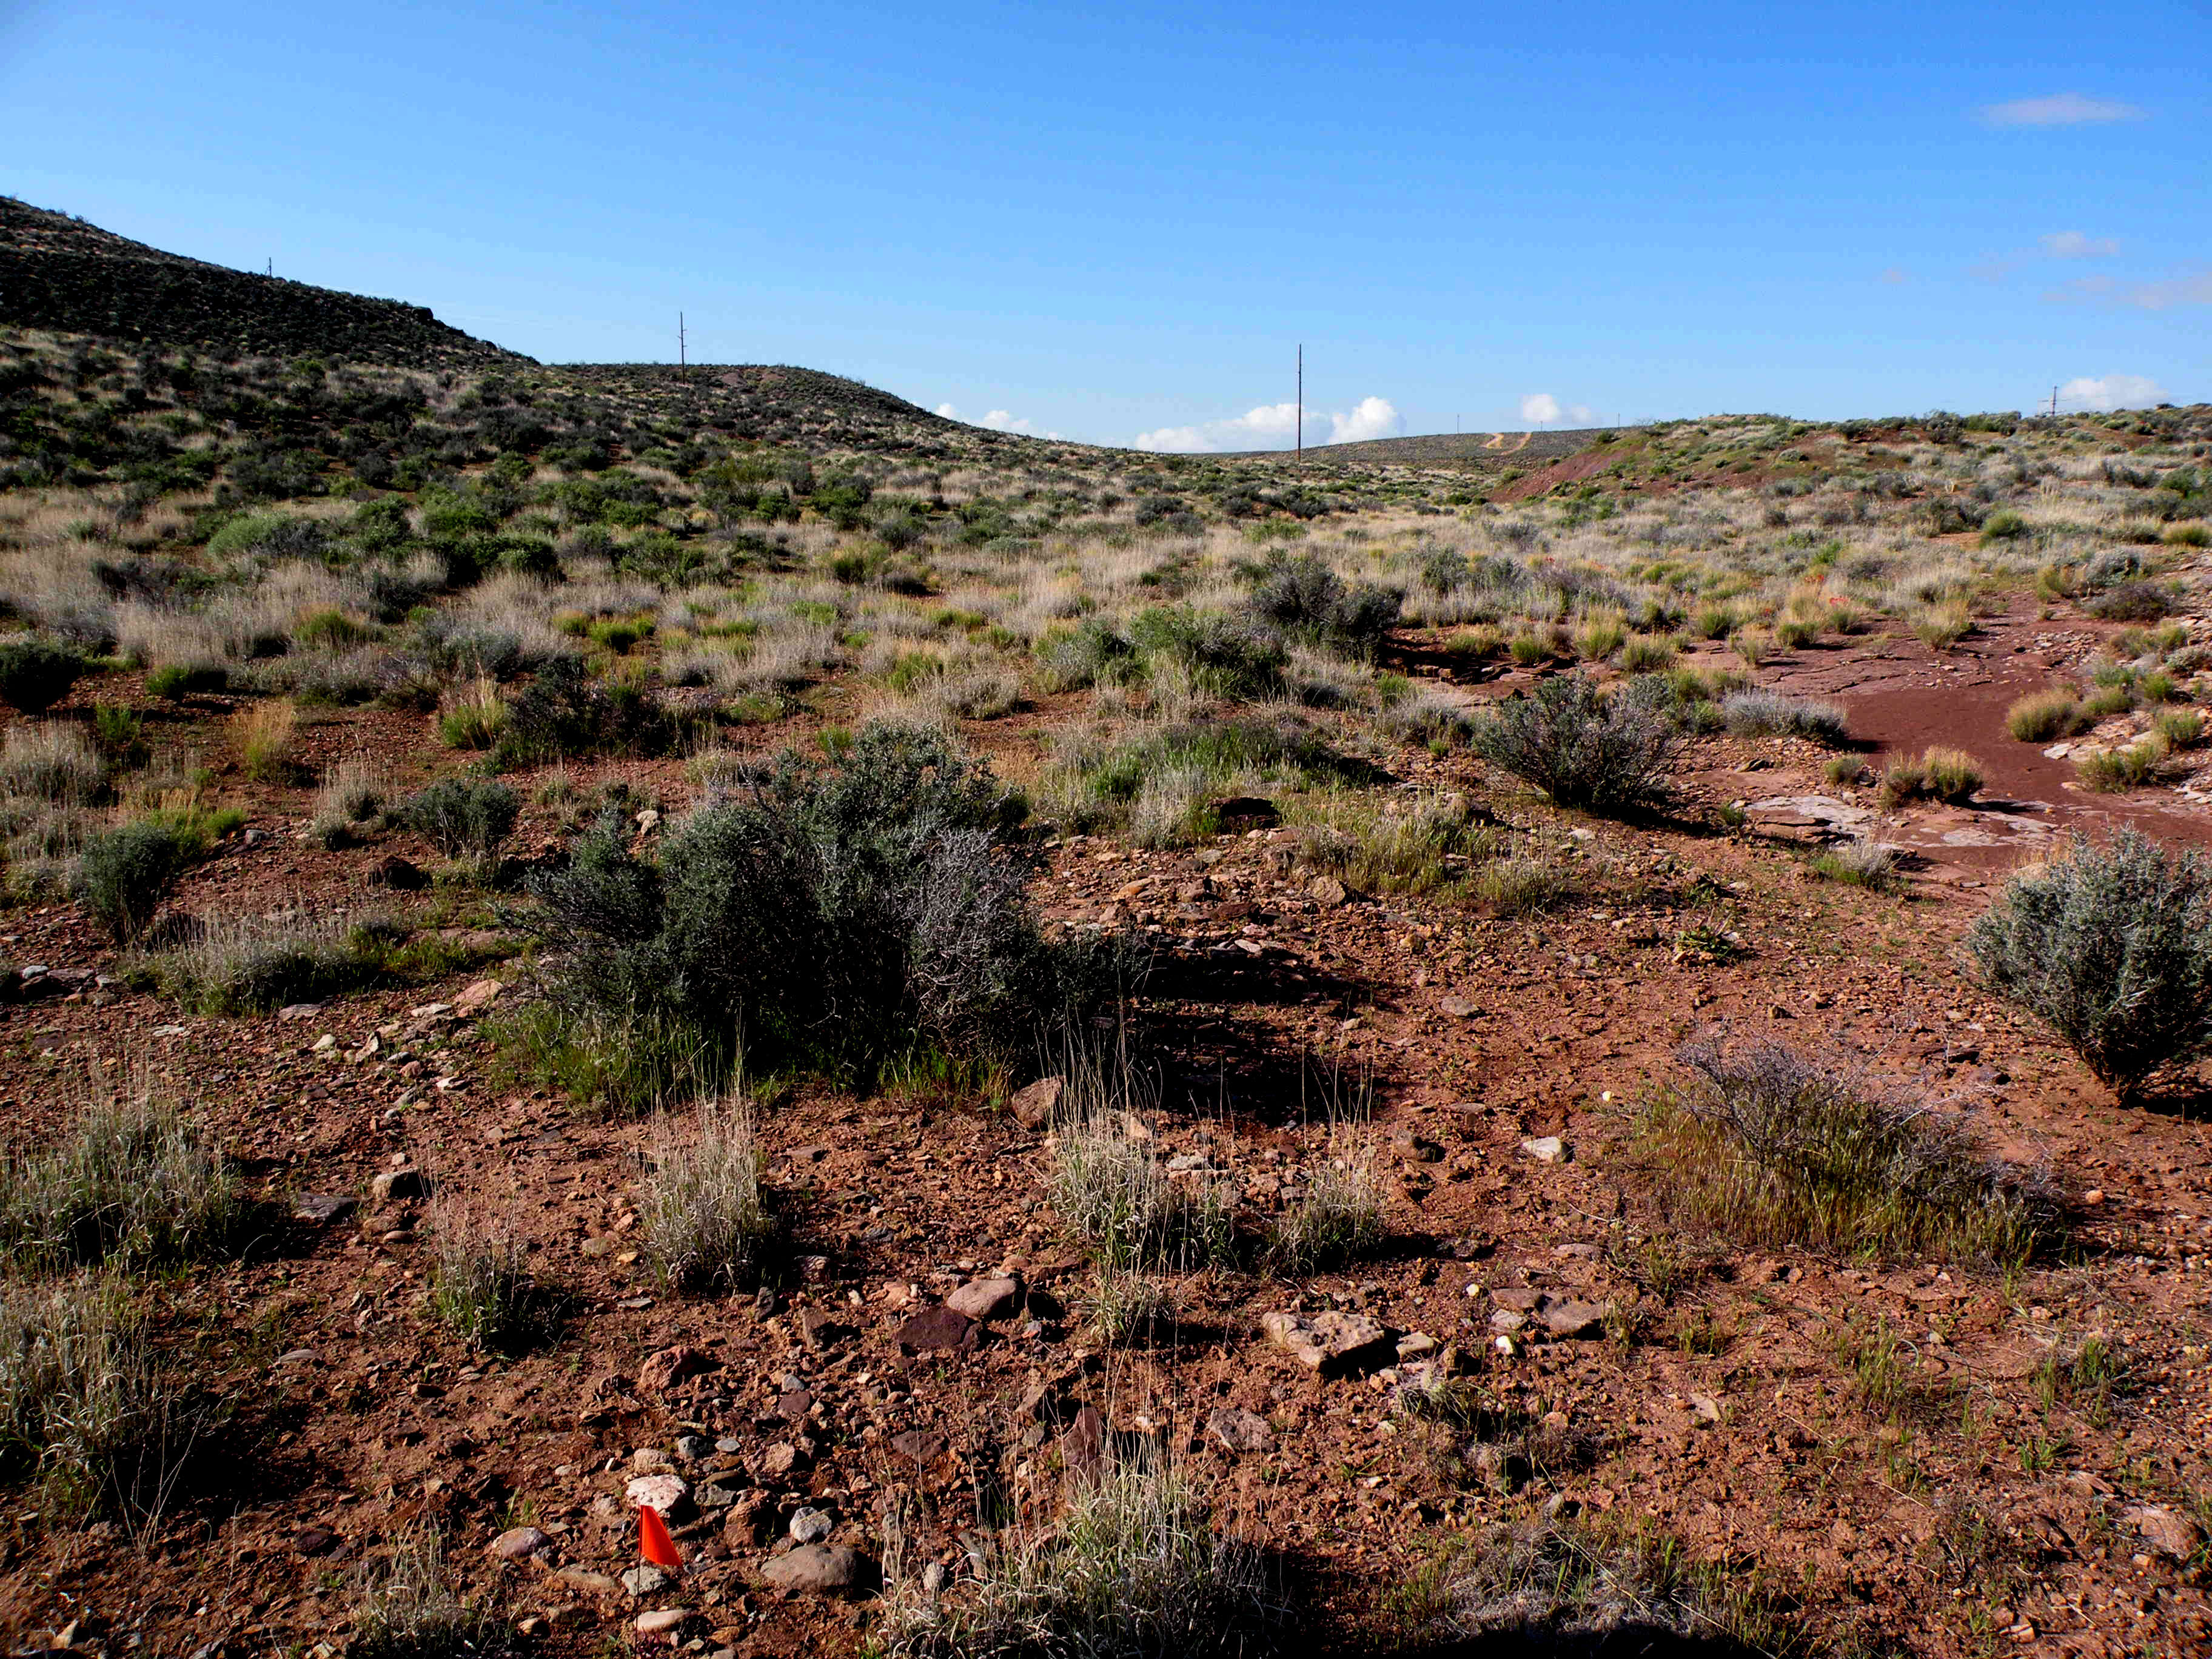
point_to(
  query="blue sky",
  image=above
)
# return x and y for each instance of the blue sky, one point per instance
(1116, 223)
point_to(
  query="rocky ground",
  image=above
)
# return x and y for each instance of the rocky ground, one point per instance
(1913, 1450)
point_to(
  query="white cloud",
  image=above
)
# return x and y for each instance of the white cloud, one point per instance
(1275, 426)
(1373, 418)
(1541, 407)
(2073, 245)
(2064, 109)
(2110, 391)
(998, 420)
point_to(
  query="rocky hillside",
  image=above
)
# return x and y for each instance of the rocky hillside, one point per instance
(60, 273)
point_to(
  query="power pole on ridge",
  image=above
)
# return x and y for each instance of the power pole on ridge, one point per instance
(682, 357)
(1302, 398)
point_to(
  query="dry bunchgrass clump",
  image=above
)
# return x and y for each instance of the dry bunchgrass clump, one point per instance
(409, 1608)
(2041, 716)
(705, 1221)
(1771, 1148)
(87, 1405)
(1127, 1309)
(1939, 774)
(52, 761)
(1111, 1190)
(355, 793)
(267, 734)
(1135, 1569)
(131, 1181)
(1337, 1219)
(481, 1285)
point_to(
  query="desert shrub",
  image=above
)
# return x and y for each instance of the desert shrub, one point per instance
(2003, 525)
(1776, 1150)
(1157, 781)
(2041, 716)
(564, 712)
(2131, 602)
(1094, 653)
(408, 1608)
(36, 674)
(464, 817)
(2179, 728)
(1417, 851)
(124, 875)
(2112, 947)
(52, 760)
(1111, 1191)
(1133, 1570)
(482, 1288)
(1772, 712)
(1939, 627)
(130, 1182)
(85, 1401)
(1521, 883)
(1939, 773)
(1647, 654)
(702, 1220)
(1427, 717)
(833, 916)
(1581, 747)
(1221, 656)
(253, 965)
(1305, 600)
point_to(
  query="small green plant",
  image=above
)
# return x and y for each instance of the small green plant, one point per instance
(266, 733)
(1860, 862)
(1647, 654)
(2003, 526)
(481, 1285)
(178, 680)
(1337, 1219)
(130, 1182)
(36, 674)
(1110, 1189)
(1583, 748)
(472, 716)
(2114, 771)
(120, 731)
(1128, 1308)
(2112, 947)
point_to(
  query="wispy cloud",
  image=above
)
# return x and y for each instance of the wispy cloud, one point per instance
(998, 420)
(1272, 426)
(2106, 393)
(2062, 109)
(2073, 245)
(1896, 274)
(2190, 287)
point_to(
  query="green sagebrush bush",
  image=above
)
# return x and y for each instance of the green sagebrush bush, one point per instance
(832, 918)
(36, 674)
(464, 816)
(124, 875)
(1581, 747)
(2112, 947)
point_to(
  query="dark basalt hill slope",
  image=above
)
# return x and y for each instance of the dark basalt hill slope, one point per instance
(63, 274)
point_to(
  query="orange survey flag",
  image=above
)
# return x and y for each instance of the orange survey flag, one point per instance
(653, 1542)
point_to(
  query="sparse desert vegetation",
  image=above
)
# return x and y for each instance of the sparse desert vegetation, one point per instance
(587, 936)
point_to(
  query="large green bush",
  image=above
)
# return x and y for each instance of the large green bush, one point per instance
(36, 674)
(1581, 747)
(464, 816)
(2111, 946)
(124, 874)
(831, 917)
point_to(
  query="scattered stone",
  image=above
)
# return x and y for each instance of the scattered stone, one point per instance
(314, 1541)
(474, 998)
(984, 1298)
(1327, 891)
(919, 1446)
(780, 1459)
(2168, 1533)
(1415, 1345)
(664, 1368)
(1457, 1007)
(395, 873)
(1033, 1107)
(1332, 1343)
(1082, 1447)
(819, 1570)
(396, 1186)
(664, 1494)
(811, 1526)
(519, 1543)
(645, 1579)
(583, 1578)
(664, 1622)
(651, 1459)
(693, 1448)
(1546, 1149)
(713, 1497)
(793, 1404)
(1237, 813)
(1574, 1320)
(1240, 1430)
(937, 1330)
(299, 1010)
(322, 1208)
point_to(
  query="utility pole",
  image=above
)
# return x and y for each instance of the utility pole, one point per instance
(682, 345)
(1302, 398)
(2054, 403)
